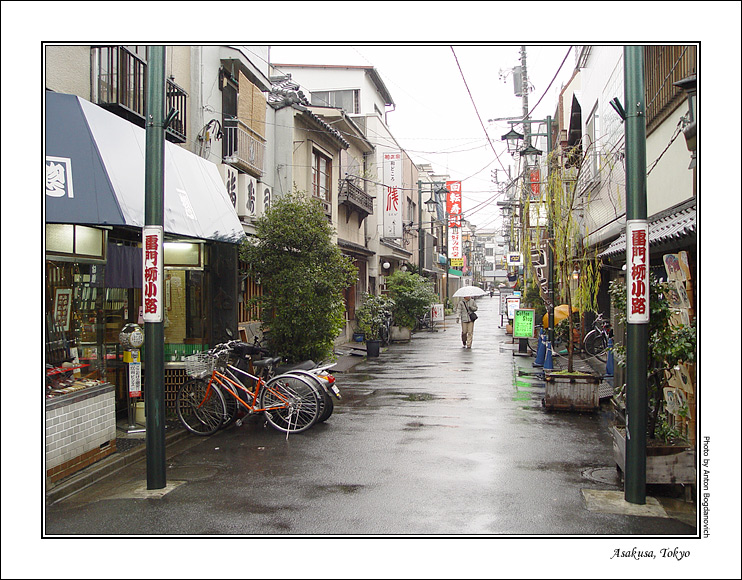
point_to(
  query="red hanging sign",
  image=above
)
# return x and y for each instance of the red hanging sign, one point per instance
(637, 272)
(152, 263)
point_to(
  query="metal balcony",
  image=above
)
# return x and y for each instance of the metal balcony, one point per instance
(242, 147)
(355, 199)
(120, 86)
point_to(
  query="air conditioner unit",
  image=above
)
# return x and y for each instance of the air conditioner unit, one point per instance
(229, 176)
(246, 196)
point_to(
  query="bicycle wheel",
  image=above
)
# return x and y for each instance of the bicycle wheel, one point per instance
(291, 403)
(596, 345)
(327, 405)
(232, 407)
(201, 409)
(384, 334)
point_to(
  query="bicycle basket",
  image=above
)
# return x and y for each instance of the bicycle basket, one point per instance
(199, 364)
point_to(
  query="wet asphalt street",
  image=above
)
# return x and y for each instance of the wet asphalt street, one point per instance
(428, 439)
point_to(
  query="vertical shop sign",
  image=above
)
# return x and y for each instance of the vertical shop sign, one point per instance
(637, 271)
(453, 208)
(393, 197)
(534, 175)
(152, 273)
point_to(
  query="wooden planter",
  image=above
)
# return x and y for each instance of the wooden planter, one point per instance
(665, 465)
(572, 392)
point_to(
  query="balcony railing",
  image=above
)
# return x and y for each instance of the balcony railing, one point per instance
(242, 148)
(120, 85)
(355, 199)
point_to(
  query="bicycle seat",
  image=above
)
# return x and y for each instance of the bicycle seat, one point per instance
(266, 362)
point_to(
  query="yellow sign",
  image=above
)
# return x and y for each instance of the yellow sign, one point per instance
(131, 356)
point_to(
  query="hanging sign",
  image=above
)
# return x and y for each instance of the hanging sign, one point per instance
(152, 277)
(637, 272)
(131, 357)
(453, 208)
(534, 176)
(393, 194)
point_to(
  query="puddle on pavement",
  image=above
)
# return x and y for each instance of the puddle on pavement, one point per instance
(415, 396)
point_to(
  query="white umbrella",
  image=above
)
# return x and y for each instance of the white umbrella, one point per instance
(473, 291)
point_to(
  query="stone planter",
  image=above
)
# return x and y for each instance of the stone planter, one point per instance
(572, 392)
(668, 464)
(400, 334)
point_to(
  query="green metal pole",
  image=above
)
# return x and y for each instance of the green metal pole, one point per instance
(154, 334)
(550, 242)
(420, 254)
(638, 333)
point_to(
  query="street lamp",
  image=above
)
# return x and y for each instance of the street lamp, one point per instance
(688, 85)
(513, 139)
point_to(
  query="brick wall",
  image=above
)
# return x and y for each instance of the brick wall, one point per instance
(80, 430)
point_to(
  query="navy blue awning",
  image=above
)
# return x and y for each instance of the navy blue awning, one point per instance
(95, 176)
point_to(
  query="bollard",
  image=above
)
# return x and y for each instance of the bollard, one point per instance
(609, 362)
(540, 351)
(548, 362)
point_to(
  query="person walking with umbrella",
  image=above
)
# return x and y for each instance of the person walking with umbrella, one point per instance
(466, 312)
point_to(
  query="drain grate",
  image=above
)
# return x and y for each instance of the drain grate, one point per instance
(607, 475)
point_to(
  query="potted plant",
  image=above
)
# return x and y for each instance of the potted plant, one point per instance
(413, 296)
(371, 318)
(670, 458)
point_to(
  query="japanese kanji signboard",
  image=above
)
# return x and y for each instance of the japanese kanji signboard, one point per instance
(393, 194)
(453, 208)
(152, 264)
(637, 272)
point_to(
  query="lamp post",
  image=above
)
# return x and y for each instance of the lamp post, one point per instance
(513, 139)
(431, 205)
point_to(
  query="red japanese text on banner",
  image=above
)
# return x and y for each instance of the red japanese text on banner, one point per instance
(637, 272)
(152, 264)
(393, 195)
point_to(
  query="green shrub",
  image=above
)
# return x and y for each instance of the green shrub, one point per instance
(303, 275)
(412, 295)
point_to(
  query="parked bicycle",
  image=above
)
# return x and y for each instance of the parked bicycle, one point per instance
(269, 367)
(596, 341)
(289, 403)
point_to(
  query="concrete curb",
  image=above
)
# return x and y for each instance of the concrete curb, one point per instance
(104, 468)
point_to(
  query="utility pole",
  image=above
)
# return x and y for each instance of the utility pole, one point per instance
(154, 333)
(637, 277)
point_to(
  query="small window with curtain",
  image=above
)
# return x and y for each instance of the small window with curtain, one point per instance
(321, 176)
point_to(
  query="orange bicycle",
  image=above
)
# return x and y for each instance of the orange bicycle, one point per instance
(216, 395)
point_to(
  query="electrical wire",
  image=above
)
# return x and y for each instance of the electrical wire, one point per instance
(463, 78)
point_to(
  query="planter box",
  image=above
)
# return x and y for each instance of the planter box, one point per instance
(665, 465)
(572, 392)
(400, 334)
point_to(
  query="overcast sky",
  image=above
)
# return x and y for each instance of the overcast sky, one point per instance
(445, 95)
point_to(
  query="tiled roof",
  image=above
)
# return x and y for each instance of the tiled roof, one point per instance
(285, 93)
(673, 226)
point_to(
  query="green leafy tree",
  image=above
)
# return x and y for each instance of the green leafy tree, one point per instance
(668, 344)
(372, 314)
(412, 294)
(303, 274)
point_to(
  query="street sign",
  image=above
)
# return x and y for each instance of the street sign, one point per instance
(513, 304)
(524, 323)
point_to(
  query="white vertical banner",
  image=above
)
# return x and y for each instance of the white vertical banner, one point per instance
(637, 272)
(152, 278)
(393, 197)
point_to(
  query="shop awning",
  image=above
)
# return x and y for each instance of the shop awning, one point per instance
(95, 176)
(671, 227)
